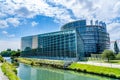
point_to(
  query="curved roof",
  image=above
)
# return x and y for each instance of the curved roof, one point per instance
(81, 21)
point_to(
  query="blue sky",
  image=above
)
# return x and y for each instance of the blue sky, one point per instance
(24, 17)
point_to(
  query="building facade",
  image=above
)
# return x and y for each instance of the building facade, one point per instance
(74, 41)
(56, 45)
(95, 36)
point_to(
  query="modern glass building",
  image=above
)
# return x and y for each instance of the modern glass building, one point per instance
(66, 45)
(74, 41)
(95, 36)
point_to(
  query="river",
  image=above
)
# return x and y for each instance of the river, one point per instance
(26, 72)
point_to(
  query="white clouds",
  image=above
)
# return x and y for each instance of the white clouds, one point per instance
(117, 7)
(2, 15)
(29, 9)
(3, 24)
(14, 21)
(63, 11)
(34, 23)
(114, 30)
(113, 26)
(24, 12)
(7, 34)
(13, 44)
(4, 32)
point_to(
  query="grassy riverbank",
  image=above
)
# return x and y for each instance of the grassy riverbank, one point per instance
(10, 71)
(1, 59)
(42, 62)
(99, 70)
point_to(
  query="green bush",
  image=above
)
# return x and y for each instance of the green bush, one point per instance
(118, 56)
(108, 54)
(1, 59)
(10, 71)
(32, 63)
(106, 71)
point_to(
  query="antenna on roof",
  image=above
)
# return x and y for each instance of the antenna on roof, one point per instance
(91, 22)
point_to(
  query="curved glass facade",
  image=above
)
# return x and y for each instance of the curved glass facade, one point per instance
(95, 37)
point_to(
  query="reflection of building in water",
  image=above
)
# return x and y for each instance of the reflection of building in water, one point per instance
(33, 74)
(49, 75)
(24, 72)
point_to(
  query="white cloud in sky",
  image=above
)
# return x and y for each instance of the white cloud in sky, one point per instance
(114, 30)
(14, 21)
(3, 24)
(62, 11)
(34, 24)
(2, 15)
(4, 32)
(7, 34)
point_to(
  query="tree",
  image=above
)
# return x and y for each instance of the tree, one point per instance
(9, 52)
(108, 54)
(116, 48)
(118, 56)
(8, 49)
(15, 53)
(5, 53)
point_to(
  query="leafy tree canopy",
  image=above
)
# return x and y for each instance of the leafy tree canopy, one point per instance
(108, 54)
(9, 52)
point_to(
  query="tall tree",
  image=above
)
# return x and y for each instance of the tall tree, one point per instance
(116, 48)
(108, 54)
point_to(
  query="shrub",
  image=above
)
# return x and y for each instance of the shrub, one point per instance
(32, 63)
(10, 71)
(108, 54)
(118, 56)
(1, 59)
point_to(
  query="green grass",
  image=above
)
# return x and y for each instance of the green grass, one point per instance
(1, 59)
(103, 61)
(10, 71)
(106, 71)
(115, 61)
(40, 62)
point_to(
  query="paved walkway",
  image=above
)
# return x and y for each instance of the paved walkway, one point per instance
(2, 76)
(101, 64)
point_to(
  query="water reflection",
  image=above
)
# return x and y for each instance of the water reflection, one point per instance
(26, 72)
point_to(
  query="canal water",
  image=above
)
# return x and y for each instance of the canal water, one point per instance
(27, 72)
